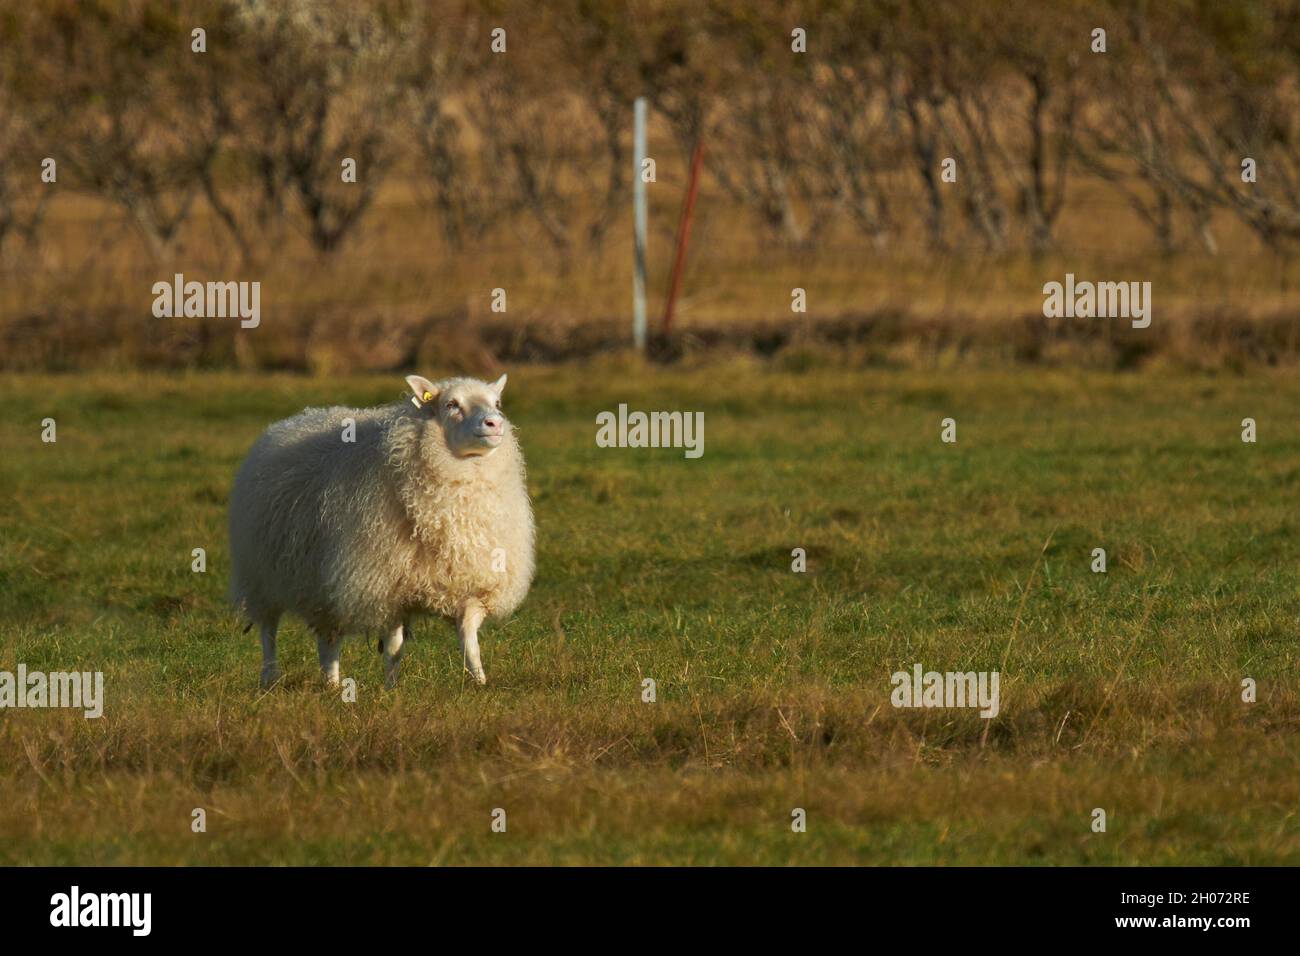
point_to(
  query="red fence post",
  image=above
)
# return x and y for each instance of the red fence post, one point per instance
(683, 235)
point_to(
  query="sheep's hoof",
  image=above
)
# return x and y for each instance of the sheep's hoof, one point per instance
(270, 679)
(480, 678)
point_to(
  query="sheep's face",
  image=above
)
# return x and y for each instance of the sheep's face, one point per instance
(467, 411)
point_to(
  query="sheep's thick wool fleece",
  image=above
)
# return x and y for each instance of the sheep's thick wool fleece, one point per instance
(355, 536)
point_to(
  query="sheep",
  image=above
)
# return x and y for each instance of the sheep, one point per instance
(357, 519)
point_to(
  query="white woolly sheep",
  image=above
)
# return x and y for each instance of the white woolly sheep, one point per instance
(357, 519)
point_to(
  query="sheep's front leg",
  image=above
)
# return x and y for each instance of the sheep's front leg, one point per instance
(392, 648)
(471, 616)
(270, 669)
(328, 647)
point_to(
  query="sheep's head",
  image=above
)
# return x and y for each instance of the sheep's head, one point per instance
(467, 411)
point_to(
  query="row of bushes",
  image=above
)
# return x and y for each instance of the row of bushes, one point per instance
(852, 133)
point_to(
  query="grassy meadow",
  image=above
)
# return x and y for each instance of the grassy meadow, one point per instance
(1119, 690)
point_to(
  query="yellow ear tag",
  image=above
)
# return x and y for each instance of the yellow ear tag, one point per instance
(428, 396)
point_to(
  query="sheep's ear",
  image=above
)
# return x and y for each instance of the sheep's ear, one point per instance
(499, 386)
(425, 391)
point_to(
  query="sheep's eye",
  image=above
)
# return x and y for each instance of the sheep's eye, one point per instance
(498, 404)
(453, 405)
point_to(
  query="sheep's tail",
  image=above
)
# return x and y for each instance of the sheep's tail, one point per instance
(241, 610)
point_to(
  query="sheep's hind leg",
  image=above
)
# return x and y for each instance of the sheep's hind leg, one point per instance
(471, 616)
(270, 669)
(392, 650)
(328, 647)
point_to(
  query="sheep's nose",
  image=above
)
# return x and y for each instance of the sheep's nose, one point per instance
(492, 424)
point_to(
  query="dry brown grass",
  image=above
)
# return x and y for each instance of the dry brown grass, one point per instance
(397, 294)
(709, 780)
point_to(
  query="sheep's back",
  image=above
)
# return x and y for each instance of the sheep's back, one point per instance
(295, 502)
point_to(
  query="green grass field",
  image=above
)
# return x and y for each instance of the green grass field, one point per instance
(1119, 690)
